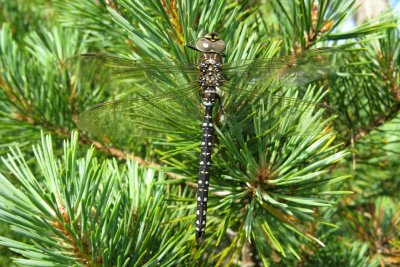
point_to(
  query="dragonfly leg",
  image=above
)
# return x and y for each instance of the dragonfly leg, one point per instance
(219, 100)
(193, 47)
(221, 113)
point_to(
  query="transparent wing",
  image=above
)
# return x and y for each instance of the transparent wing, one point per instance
(148, 116)
(128, 75)
(292, 70)
(286, 116)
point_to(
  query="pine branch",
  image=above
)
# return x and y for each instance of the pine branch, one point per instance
(379, 121)
(268, 186)
(25, 16)
(22, 109)
(87, 212)
(384, 63)
(378, 228)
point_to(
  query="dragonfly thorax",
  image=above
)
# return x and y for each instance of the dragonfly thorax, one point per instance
(210, 78)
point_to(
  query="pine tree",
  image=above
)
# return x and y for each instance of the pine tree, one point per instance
(69, 199)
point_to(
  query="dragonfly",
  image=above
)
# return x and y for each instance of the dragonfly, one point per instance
(205, 84)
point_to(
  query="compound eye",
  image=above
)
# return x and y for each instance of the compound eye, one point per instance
(218, 46)
(204, 45)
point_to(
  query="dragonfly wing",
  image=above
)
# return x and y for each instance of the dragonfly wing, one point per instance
(282, 115)
(149, 116)
(127, 75)
(292, 70)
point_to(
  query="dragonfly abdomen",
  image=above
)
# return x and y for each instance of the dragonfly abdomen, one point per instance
(204, 174)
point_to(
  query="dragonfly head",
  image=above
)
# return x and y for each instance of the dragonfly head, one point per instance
(212, 36)
(210, 43)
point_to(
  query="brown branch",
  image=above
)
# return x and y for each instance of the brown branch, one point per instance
(174, 18)
(314, 33)
(82, 253)
(118, 153)
(379, 121)
(62, 133)
(14, 97)
(247, 254)
(390, 76)
(123, 155)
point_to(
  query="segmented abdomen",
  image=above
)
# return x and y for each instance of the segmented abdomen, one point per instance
(204, 175)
